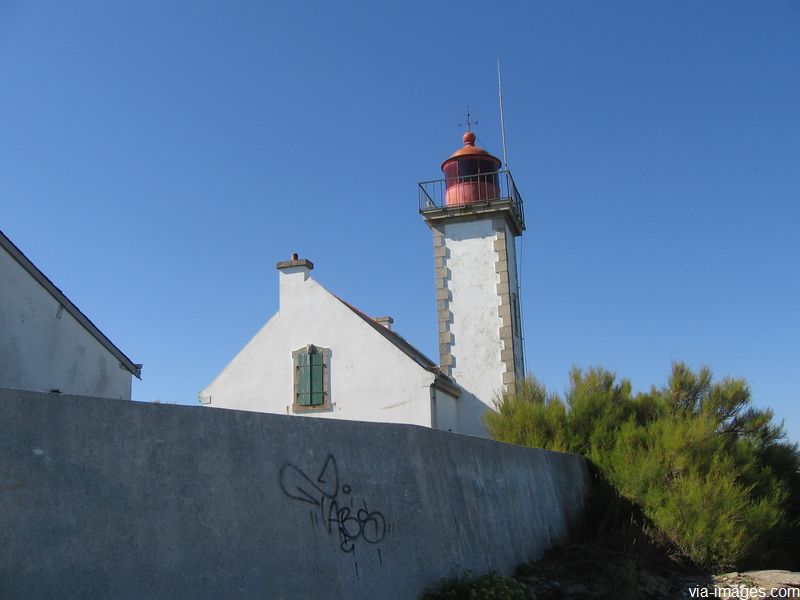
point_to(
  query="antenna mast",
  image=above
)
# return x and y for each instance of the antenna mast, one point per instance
(502, 119)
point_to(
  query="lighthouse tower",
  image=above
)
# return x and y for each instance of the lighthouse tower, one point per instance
(475, 213)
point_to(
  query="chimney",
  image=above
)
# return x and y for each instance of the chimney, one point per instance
(293, 274)
(295, 265)
(385, 321)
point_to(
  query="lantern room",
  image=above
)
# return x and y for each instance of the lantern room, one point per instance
(473, 187)
(470, 174)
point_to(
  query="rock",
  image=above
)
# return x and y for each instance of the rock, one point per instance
(770, 582)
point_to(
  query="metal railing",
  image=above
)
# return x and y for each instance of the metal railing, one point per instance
(470, 189)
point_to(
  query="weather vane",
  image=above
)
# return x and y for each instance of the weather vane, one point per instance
(469, 123)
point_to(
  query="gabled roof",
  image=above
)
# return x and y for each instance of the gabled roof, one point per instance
(62, 299)
(442, 381)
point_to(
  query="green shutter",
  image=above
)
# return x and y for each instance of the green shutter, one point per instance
(303, 380)
(317, 396)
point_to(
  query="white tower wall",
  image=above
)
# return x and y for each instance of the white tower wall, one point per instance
(474, 342)
(480, 334)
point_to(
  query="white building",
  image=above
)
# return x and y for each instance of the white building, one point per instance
(320, 356)
(46, 343)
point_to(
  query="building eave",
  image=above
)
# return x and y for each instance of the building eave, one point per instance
(69, 306)
(398, 340)
(440, 381)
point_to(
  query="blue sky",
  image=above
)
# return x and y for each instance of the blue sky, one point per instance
(158, 158)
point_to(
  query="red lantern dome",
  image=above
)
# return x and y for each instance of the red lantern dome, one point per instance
(470, 174)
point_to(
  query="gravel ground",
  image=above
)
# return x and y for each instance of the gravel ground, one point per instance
(592, 571)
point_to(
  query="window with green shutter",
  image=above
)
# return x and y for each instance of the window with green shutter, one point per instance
(317, 393)
(311, 378)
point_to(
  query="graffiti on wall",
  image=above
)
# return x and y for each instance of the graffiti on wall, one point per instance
(334, 506)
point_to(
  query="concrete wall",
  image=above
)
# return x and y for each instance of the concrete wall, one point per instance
(42, 347)
(109, 499)
(371, 379)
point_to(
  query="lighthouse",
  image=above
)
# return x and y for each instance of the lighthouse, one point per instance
(475, 213)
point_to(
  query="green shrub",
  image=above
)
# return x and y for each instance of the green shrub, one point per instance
(712, 472)
(491, 586)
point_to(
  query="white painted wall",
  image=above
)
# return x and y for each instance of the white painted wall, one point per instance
(446, 408)
(371, 379)
(42, 348)
(474, 305)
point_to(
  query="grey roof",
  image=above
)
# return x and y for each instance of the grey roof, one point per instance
(442, 381)
(61, 298)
